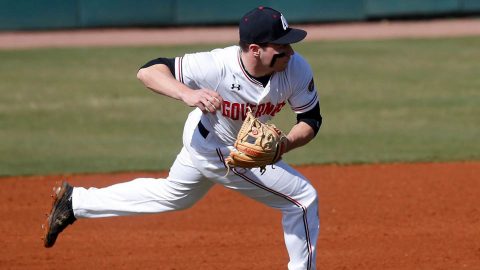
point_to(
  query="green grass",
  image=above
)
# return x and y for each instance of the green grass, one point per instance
(83, 110)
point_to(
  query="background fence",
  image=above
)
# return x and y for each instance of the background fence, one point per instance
(58, 14)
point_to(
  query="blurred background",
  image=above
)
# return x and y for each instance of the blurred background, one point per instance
(57, 14)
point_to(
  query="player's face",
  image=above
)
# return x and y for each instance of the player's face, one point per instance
(276, 56)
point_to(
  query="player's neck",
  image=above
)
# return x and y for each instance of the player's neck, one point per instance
(253, 67)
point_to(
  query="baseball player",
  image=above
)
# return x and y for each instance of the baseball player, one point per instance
(261, 74)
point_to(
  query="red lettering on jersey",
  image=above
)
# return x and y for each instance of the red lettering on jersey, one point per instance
(244, 109)
(260, 109)
(235, 113)
(278, 108)
(226, 108)
(269, 108)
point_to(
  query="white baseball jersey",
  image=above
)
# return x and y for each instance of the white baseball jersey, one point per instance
(221, 70)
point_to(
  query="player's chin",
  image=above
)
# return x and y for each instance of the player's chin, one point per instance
(281, 66)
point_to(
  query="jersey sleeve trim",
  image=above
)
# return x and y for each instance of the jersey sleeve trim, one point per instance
(307, 106)
(179, 69)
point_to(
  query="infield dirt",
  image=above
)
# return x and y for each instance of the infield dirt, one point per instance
(396, 216)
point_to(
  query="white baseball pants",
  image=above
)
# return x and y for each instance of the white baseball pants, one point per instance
(282, 188)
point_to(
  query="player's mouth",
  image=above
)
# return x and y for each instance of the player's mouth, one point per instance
(279, 56)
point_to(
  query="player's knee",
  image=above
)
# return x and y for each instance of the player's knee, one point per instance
(183, 205)
(185, 201)
(311, 196)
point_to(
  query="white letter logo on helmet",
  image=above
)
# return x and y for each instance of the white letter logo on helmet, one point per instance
(284, 22)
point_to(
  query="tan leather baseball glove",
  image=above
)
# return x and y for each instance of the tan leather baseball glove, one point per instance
(257, 145)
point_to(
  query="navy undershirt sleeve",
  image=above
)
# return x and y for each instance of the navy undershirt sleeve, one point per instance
(313, 118)
(169, 62)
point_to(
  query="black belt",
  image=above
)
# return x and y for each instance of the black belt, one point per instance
(204, 131)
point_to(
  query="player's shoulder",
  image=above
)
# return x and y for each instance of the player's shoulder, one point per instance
(298, 71)
(298, 68)
(219, 52)
(219, 56)
(227, 50)
(226, 54)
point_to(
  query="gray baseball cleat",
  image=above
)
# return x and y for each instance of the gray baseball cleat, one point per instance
(61, 214)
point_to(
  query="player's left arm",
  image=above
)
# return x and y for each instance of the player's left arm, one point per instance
(307, 127)
(305, 102)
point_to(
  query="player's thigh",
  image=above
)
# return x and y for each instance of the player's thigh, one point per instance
(279, 187)
(185, 183)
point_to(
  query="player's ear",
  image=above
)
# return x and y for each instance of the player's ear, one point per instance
(255, 49)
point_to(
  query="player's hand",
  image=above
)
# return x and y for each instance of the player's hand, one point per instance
(205, 99)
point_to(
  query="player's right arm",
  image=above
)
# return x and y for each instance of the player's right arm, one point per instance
(158, 76)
